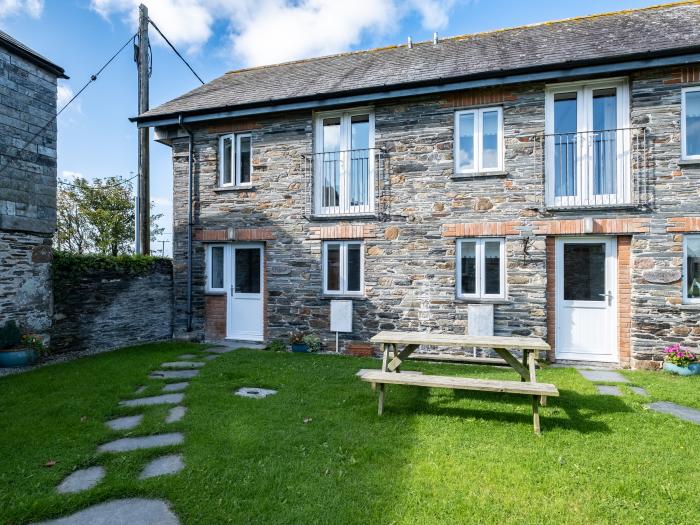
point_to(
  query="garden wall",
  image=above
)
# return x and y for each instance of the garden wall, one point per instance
(111, 302)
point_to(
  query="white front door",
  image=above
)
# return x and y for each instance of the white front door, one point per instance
(244, 312)
(586, 303)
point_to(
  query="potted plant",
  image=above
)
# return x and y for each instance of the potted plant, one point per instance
(313, 342)
(297, 342)
(17, 350)
(679, 360)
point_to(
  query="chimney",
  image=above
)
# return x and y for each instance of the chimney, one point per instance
(410, 42)
(435, 38)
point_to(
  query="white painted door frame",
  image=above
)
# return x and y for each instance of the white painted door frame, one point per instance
(245, 319)
(586, 330)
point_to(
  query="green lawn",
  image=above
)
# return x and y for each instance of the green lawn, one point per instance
(435, 456)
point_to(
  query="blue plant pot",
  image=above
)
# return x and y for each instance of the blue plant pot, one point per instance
(17, 358)
(690, 370)
(299, 347)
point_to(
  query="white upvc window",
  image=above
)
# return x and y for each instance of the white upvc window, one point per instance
(690, 123)
(343, 268)
(344, 162)
(478, 140)
(215, 268)
(481, 268)
(235, 159)
(691, 269)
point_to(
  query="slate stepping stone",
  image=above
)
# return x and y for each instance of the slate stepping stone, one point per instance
(255, 393)
(174, 374)
(608, 390)
(175, 414)
(130, 511)
(211, 357)
(81, 480)
(141, 389)
(183, 364)
(639, 391)
(163, 466)
(165, 399)
(681, 412)
(187, 356)
(175, 387)
(125, 423)
(600, 376)
(138, 443)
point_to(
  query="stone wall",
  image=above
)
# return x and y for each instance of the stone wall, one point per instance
(410, 252)
(101, 309)
(27, 192)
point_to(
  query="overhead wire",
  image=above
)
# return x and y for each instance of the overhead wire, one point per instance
(150, 20)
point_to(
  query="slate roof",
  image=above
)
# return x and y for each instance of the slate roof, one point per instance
(18, 48)
(623, 35)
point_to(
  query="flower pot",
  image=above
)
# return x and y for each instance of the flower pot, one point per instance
(17, 358)
(360, 349)
(690, 370)
(299, 347)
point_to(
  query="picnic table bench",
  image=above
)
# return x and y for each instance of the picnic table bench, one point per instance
(390, 372)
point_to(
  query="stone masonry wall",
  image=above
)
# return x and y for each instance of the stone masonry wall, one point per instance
(100, 309)
(27, 192)
(410, 253)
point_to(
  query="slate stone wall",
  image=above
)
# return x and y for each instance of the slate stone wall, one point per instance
(99, 309)
(27, 192)
(409, 261)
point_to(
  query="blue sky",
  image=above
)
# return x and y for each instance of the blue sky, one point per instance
(97, 140)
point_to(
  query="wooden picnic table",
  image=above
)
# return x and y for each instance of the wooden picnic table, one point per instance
(393, 357)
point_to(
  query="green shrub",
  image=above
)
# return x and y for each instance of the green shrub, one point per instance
(313, 342)
(10, 336)
(276, 346)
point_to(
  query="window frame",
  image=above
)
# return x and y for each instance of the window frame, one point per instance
(235, 159)
(480, 269)
(208, 268)
(343, 275)
(684, 141)
(684, 275)
(344, 206)
(478, 141)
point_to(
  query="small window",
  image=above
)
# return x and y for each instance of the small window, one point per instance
(236, 159)
(215, 268)
(481, 269)
(690, 123)
(479, 140)
(343, 272)
(691, 269)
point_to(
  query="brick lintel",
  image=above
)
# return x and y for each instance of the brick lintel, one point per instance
(480, 229)
(682, 224)
(342, 231)
(233, 234)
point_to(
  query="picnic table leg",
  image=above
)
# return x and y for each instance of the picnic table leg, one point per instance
(380, 409)
(525, 363)
(536, 413)
(385, 358)
(533, 376)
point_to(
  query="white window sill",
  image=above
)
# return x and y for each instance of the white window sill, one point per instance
(215, 292)
(248, 187)
(346, 297)
(689, 162)
(689, 306)
(479, 174)
(476, 300)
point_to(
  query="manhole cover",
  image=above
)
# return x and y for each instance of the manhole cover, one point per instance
(255, 393)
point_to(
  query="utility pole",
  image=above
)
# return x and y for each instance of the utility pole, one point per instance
(143, 217)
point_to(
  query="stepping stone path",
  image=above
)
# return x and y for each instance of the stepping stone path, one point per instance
(174, 374)
(183, 364)
(138, 443)
(211, 357)
(681, 412)
(606, 376)
(130, 511)
(163, 466)
(81, 480)
(255, 393)
(608, 390)
(165, 399)
(175, 387)
(125, 423)
(175, 414)
(188, 356)
(141, 389)
(639, 391)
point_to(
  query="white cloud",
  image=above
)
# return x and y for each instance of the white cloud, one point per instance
(269, 31)
(162, 201)
(70, 176)
(64, 95)
(32, 8)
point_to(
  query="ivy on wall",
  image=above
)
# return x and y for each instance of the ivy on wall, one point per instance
(68, 265)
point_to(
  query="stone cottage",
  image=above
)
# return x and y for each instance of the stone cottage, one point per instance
(27, 184)
(544, 178)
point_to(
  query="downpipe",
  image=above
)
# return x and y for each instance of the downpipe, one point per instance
(190, 178)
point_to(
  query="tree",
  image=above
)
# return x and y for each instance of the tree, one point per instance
(99, 216)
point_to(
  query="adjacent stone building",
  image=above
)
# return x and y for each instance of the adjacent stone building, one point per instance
(544, 178)
(27, 184)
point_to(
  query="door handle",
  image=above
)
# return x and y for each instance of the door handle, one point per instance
(231, 290)
(608, 295)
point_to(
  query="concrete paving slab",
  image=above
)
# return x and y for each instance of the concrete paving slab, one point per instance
(607, 390)
(175, 414)
(639, 391)
(125, 423)
(138, 443)
(163, 466)
(175, 387)
(81, 480)
(254, 392)
(680, 411)
(183, 364)
(130, 511)
(165, 399)
(174, 374)
(607, 376)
